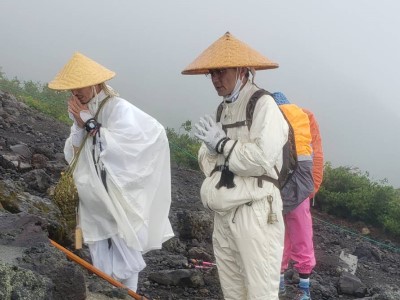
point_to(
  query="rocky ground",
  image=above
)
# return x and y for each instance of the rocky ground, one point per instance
(352, 262)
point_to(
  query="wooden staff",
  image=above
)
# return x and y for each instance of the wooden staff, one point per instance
(96, 271)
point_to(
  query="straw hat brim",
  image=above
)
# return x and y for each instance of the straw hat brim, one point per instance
(228, 52)
(80, 72)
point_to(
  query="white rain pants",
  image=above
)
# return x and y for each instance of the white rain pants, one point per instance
(248, 251)
(118, 260)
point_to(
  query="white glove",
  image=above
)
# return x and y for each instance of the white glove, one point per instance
(209, 132)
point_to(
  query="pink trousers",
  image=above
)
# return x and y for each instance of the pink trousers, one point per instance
(299, 245)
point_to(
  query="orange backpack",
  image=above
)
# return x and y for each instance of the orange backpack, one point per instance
(318, 155)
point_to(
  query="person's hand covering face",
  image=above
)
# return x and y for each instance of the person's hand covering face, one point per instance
(78, 112)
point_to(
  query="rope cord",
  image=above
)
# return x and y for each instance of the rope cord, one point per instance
(393, 248)
(183, 150)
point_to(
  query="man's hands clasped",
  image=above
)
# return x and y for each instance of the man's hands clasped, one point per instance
(211, 133)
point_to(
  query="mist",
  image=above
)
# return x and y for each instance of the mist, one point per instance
(339, 59)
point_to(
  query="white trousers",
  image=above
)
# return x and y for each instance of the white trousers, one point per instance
(116, 259)
(248, 251)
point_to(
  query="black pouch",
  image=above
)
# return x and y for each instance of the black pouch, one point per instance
(226, 179)
(227, 176)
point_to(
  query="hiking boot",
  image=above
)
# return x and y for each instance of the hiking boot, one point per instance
(282, 290)
(303, 294)
(282, 287)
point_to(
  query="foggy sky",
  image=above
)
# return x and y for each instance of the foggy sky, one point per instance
(338, 58)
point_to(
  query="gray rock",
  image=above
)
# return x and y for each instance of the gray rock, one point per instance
(351, 285)
(19, 283)
(195, 225)
(181, 277)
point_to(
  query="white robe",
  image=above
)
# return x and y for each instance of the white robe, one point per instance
(135, 155)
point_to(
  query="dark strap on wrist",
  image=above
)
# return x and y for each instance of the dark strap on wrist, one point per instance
(223, 144)
(219, 143)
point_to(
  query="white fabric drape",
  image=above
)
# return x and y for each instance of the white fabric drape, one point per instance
(135, 155)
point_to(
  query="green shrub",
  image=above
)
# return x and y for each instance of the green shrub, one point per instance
(37, 96)
(347, 192)
(184, 147)
(391, 220)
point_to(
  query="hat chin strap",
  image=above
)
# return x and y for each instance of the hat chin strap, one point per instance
(232, 97)
(96, 100)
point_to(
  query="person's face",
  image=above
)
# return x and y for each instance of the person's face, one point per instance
(224, 80)
(84, 94)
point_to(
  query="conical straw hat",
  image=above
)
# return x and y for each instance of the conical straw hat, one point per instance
(80, 72)
(228, 52)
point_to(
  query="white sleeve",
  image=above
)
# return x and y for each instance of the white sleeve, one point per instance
(77, 135)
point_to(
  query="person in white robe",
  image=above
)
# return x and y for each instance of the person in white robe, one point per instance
(122, 173)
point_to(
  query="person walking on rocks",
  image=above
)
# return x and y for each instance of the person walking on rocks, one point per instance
(296, 195)
(235, 158)
(122, 173)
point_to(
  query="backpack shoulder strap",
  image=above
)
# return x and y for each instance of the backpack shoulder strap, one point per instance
(249, 110)
(291, 136)
(251, 105)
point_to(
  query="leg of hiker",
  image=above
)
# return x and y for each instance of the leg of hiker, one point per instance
(285, 260)
(249, 252)
(299, 226)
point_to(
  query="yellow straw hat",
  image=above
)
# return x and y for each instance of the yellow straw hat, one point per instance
(228, 52)
(80, 72)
